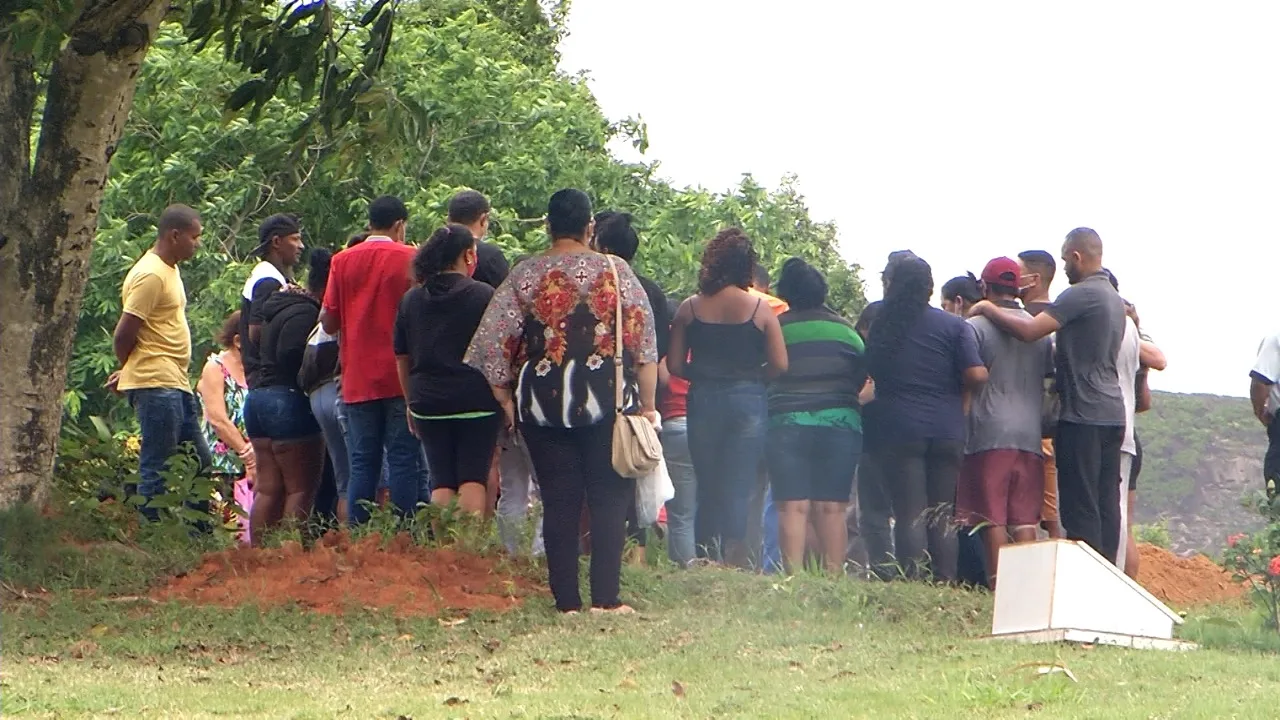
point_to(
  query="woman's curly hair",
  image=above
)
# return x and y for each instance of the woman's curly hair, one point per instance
(728, 261)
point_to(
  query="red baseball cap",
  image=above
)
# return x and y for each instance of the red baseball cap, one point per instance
(1004, 272)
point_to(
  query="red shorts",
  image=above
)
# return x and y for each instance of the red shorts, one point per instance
(1000, 487)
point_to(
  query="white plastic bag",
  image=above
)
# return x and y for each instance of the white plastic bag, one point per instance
(652, 492)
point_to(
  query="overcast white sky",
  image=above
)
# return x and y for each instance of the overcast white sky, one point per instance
(964, 131)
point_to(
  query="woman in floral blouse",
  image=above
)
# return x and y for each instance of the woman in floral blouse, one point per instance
(222, 389)
(546, 346)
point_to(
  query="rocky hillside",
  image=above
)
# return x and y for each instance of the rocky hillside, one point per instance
(1202, 458)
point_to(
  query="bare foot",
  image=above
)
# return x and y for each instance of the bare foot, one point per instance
(619, 610)
(570, 613)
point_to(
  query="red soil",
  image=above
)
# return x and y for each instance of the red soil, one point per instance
(1183, 582)
(338, 575)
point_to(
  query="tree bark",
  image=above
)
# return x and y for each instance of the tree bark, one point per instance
(48, 218)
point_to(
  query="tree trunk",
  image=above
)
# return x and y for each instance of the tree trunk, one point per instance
(48, 217)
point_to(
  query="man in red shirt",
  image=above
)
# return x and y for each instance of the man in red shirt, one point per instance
(366, 283)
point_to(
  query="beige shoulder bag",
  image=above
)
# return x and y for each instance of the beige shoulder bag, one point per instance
(636, 448)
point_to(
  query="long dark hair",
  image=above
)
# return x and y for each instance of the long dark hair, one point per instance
(441, 251)
(904, 302)
(318, 271)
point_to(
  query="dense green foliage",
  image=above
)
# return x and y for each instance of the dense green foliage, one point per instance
(469, 96)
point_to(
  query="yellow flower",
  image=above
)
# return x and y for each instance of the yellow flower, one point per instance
(133, 444)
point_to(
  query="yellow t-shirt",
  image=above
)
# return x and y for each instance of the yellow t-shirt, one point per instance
(153, 291)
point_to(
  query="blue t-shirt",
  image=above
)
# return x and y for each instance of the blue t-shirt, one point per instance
(918, 396)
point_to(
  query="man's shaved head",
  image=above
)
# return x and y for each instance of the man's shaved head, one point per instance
(1086, 242)
(176, 217)
(1082, 254)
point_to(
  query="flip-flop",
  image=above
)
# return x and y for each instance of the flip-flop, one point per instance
(619, 610)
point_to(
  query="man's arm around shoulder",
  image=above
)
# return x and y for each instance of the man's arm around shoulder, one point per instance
(1017, 323)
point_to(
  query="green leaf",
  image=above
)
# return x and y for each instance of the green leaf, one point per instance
(247, 91)
(104, 433)
(372, 12)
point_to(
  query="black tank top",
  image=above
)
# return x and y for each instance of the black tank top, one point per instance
(726, 352)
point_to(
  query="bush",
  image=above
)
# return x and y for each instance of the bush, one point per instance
(91, 534)
(1156, 533)
(1255, 558)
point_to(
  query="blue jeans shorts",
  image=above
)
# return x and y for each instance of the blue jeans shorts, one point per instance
(279, 413)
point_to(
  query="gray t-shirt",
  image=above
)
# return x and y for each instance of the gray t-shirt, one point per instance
(1005, 414)
(1091, 314)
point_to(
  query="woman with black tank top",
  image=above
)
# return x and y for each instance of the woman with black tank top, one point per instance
(727, 343)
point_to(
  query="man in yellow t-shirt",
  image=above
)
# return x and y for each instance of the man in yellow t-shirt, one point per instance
(153, 345)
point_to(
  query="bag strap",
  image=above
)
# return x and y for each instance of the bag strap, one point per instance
(617, 335)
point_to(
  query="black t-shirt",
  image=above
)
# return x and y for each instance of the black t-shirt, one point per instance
(491, 265)
(434, 326)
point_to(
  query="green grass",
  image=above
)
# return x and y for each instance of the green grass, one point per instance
(737, 645)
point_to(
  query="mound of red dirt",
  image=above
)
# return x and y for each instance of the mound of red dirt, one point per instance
(1183, 582)
(338, 575)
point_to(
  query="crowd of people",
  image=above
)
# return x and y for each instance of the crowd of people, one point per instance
(439, 374)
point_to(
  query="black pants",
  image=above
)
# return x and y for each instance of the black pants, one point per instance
(1088, 458)
(1271, 461)
(570, 464)
(922, 477)
(875, 507)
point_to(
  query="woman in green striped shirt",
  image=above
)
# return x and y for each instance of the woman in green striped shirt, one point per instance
(815, 427)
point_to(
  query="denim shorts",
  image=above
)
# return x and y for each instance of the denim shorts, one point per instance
(279, 413)
(809, 462)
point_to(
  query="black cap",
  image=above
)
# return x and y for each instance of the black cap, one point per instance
(278, 225)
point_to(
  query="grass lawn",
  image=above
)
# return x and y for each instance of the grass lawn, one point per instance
(707, 643)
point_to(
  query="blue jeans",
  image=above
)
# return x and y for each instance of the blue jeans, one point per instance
(683, 508)
(384, 481)
(771, 555)
(727, 426)
(167, 418)
(376, 427)
(324, 405)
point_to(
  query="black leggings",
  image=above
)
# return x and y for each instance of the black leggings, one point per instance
(459, 450)
(1088, 458)
(571, 463)
(921, 477)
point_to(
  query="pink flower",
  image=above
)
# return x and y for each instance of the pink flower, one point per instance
(1274, 566)
(1233, 540)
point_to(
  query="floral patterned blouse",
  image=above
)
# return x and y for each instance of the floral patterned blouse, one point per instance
(225, 461)
(549, 333)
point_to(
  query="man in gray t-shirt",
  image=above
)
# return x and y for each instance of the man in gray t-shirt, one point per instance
(1089, 321)
(1001, 485)
(1092, 317)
